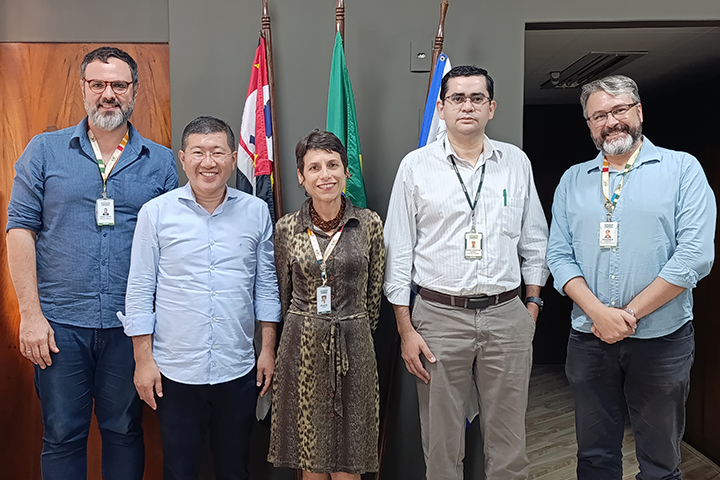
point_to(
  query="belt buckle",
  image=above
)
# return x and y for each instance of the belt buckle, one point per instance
(475, 303)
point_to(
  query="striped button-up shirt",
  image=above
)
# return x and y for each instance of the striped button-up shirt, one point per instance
(429, 215)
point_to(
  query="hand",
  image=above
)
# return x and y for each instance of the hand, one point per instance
(613, 324)
(148, 382)
(412, 345)
(265, 370)
(37, 340)
(533, 309)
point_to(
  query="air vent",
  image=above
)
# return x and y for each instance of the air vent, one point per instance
(590, 67)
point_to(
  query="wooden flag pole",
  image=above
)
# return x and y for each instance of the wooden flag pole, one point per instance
(277, 184)
(439, 41)
(340, 19)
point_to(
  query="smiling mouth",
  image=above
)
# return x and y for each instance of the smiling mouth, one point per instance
(208, 174)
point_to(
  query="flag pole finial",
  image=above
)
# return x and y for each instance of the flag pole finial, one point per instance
(340, 19)
(439, 39)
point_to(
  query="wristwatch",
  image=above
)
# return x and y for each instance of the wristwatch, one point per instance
(536, 300)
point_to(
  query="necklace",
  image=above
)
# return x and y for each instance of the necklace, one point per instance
(327, 225)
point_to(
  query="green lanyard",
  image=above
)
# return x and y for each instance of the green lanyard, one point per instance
(106, 169)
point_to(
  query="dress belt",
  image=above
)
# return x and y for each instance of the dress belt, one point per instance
(472, 303)
(335, 345)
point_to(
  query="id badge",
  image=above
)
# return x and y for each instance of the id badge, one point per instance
(105, 211)
(608, 234)
(473, 245)
(323, 299)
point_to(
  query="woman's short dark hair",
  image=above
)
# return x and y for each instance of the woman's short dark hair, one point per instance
(319, 140)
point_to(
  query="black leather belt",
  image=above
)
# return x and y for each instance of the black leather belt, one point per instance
(472, 303)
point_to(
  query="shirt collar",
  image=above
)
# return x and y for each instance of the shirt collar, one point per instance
(305, 221)
(135, 144)
(187, 196)
(648, 153)
(491, 151)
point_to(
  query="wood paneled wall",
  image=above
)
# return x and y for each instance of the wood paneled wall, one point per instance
(40, 92)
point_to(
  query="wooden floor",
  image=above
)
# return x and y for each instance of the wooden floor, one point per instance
(551, 434)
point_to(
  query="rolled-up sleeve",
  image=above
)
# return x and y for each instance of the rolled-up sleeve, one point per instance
(139, 318)
(267, 297)
(695, 228)
(532, 245)
(25, 208)
(560, 256)
(400, 238)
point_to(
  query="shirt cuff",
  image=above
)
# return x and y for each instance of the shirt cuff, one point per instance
(535, 276)
(680, 275)
(140, 324)
(563, 275)
(397, 295)
(268, 313)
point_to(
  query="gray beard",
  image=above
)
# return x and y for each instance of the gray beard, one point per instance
(109, 121)
(622, 145)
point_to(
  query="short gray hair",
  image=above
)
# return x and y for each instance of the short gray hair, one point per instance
(614, 85)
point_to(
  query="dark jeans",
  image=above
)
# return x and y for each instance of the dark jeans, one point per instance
(93, 364)
(651, 377)
(187, 411)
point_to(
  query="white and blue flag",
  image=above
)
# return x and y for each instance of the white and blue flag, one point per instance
(432, 126)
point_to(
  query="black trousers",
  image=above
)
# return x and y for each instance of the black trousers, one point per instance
(652, 378)
(187, 412)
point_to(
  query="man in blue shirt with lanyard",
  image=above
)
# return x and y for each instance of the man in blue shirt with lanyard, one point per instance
(202, 272)
(632, 233)
(71, 218)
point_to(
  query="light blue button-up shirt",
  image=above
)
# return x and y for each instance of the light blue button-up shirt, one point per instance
(198, 281)
(666, 227)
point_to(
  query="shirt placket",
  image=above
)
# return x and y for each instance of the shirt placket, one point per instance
(614, 268)
(214, 326)
(104, 268)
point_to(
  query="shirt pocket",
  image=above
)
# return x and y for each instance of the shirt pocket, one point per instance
(511, 221)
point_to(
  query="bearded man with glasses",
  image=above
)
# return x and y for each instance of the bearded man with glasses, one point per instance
(71, 217)
(464, 226)
(632, 233)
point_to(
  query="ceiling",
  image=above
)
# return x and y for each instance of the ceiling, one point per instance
(677, 56)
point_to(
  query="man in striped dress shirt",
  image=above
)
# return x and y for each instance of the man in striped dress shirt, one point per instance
(464, 226)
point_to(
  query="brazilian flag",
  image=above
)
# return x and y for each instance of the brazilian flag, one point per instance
(342, 121)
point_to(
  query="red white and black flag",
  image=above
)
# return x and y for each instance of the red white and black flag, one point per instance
(255, 154)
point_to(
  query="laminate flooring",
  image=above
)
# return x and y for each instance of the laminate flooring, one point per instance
(551, 434)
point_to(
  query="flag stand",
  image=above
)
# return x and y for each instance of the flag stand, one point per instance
(439, 41)
(277, 184)
(340, 19)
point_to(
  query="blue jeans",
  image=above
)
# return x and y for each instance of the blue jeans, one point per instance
(93, 364)
(652, 378)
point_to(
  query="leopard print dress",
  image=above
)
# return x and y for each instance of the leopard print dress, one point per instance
(325, 399)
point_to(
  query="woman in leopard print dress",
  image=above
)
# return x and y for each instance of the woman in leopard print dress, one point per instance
(326, 402)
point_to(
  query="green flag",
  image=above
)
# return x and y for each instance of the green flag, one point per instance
(342, 121)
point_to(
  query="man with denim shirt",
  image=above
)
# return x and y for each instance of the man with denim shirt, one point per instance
(202, 272)
(631, 235)
(69, 263)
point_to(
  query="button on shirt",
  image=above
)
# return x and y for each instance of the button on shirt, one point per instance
(429, 215)
(210, 275)
(666, 225)
(82, 268)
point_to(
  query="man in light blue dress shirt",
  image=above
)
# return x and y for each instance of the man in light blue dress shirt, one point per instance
(632, 233)
(201, 272)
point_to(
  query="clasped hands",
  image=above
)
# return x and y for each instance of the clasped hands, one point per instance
(613, 324)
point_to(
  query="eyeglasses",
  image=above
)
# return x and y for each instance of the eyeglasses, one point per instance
(216, 156)
(477, 99)
(117, 86)
(620, 112)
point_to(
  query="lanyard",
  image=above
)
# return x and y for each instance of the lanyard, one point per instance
(610, 202)
(467, 196)
(322, 257)
(106, 169)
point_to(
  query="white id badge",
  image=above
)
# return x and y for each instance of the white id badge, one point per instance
(323, 299)
(473, 245)
(105, 211)
(608, 234)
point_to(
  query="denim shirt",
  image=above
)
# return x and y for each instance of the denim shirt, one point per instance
(82, 268)
(666, 226)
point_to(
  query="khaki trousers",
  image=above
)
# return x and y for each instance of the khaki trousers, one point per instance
(495, 344)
